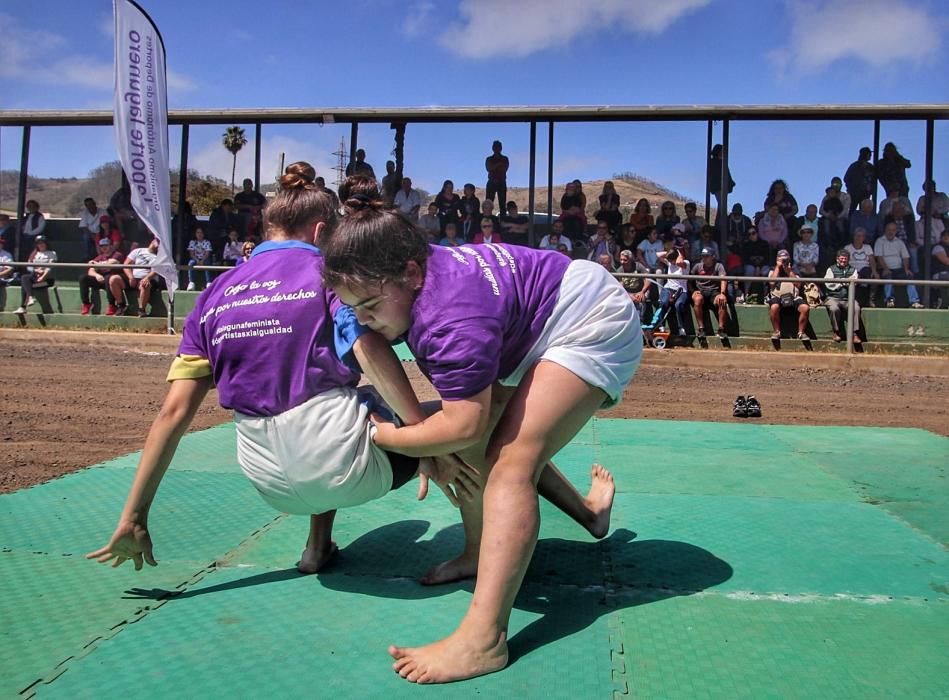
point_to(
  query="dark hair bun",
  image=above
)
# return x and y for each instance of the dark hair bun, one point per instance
(297, 176)
(359, 192)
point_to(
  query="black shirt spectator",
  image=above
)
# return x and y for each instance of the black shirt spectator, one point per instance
(860, 178)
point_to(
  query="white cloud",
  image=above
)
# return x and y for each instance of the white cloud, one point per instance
(416, 18)
(492, 28)
(876, 32)
(215, 160)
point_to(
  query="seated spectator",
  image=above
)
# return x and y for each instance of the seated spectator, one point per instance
(89, 224)
(97, 277)
(487, 234)
(429, 223)
(626, 238)
(892, 197)
(710, 293)
(144, 280)
(572, 211)
(905, 231)
(449, 205)
(940, 268)
(892, 259)
(674, 291)
(556, 238)
(512, 223)
(107, 230)
(810, 221)
(640, 289)
(609, 208)
(6, 276)
(188, 220)
(124, 216)
(223, 218)
(773, 229)
(647, 252)
(247, 249)
(36, 275)
(667, 218)
(471, 212)
(487, 211)
(738, 224)
(7, 234)
(704, 240)
(250, 204)
(756, 254)
(806, 254)
(233, 249)
(836, 294)
(866, 219)
(833, 227)
(408, 201)
(451, 236)
(602, 243)
(199, 253)
(32, 225)
(937, 226)
(735, 267)
(692, 222)
(360, 166)
(940, 205)
(606, 261)
(786, 295)
(778, 195)
(861, 257)
(640, 221)
(834, 192)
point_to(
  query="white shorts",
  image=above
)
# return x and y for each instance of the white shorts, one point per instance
(593, 331)
(316, 457)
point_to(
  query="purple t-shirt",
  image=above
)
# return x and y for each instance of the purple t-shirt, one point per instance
(267, 329)
(481, 309)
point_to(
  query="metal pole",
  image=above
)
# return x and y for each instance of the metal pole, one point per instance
(928, 213)
(550, 173)
(182, 190)
(876, 159)
(257, 137)
(708, 172)
(851, 329)
(530, 199)
(21, 191)
(353, 137)
(723, 192)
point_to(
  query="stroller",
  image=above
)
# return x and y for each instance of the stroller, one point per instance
(656, 334)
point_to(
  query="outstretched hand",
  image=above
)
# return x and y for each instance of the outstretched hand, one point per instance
(457, 479)
(129, 541)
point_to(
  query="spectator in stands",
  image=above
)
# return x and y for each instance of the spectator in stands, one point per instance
(391, 183)
(487, 212)
(199, 253)
(937, 226)
(675, 289)
(6, 275)
(640, 289)
(863, 262)
(606, 261)
(738, 224)
(572, 211)
(487, 234)
(449, 205)
(124, 216)
(580, 193)
(408, 201)
(496, 166)
(143, 280)
(773, 228)
(512, 223)
(188, 219)
(626, 238)
(756, 254)
(810, 220)
(704, 240)
(648, 250)
(640, 221)
(836, 294)
(786, 295)
(223, 218)
(860, 179)
(891, 171)
(806, 254)
(7, 234)
(905, 231)
(320, 183)
(247, 249)
(32, 225)
(98, 277)
(89, 224)
(602, 243)
(866, 219)
(107, 230)
(692, 222)
(667, 218)
(779, 195)
(715, 162)
(892, 197)
(834, 192)
(833, 228)
(233, 249)
(735, 267)
(451, 236)
(250, 203)
(710, 294)
(940, 268)
(35, 275)
(429, 223)
(360, 166)
(556, 238)
(892, 259)
(609, 208)
(940, 205)
(471, 212)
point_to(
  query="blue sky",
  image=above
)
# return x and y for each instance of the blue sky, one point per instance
(240, 53)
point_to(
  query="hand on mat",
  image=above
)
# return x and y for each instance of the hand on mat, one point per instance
(129, 541)
(457, 479)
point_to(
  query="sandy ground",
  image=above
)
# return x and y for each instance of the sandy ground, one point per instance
(75, 399)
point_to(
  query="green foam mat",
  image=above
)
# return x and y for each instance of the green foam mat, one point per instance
(211, 450)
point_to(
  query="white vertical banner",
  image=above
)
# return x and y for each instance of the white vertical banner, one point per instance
(141, 125)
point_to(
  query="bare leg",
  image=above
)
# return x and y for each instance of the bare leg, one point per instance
(803, 313)
(548, 409)
(320, 548)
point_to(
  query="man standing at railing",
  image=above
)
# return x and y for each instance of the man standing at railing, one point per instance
(837, 295)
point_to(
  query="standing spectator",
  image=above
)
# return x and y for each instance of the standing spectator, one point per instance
(497, 166)
(471, 212)
(6, 276)
(391, 183)
(860, 178)
(32, 225)
(580, 193)
(892, 197)
(223, 218)
(512, 223)
(572, 211)
(360, 166)
(233, 249)
(144, 280)
(320, 183)
(250, 203)
(773, 228)
(756, 254)
(89, 224)
(451, 238)
(97, 277)
(609, 208)
(648, 250)
(864, 263)
(866, 219)
(199, 253)
(940, 206)
(834, 192)
(738, 224)
(408, 201)
(487, 234)
(786, 295)
(940, 267)
(892, 259)
(247, 249)
(710, 293)
(641, 219)
(836, 297)
(556, 238)
(806, 254)
(429, 223)
(675, 289)
(123, 215)
(692, 222)
(449, 205)
(602, 243)
(7, 234)
(36, 276)
(667, 218)
(189, 222)
(891, 170)
(779, 195)
(715, 167)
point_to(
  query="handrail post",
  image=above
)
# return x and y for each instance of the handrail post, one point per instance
(851, 298)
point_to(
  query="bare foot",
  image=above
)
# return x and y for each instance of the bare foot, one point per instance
(314, 559)
(457, 569)
(600, 500)
(454, 658)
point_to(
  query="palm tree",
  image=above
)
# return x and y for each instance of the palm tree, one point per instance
(234, 141)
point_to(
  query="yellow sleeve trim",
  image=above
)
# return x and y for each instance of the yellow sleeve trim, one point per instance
(189, 367)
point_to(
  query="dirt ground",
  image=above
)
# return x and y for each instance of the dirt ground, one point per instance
(75, 399)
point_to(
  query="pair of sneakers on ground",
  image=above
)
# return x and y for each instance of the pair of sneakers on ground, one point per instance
(113, 310)
(747, 407)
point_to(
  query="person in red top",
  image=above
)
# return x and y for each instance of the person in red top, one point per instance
(487, 234)
(107, 230)
(108, 279)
